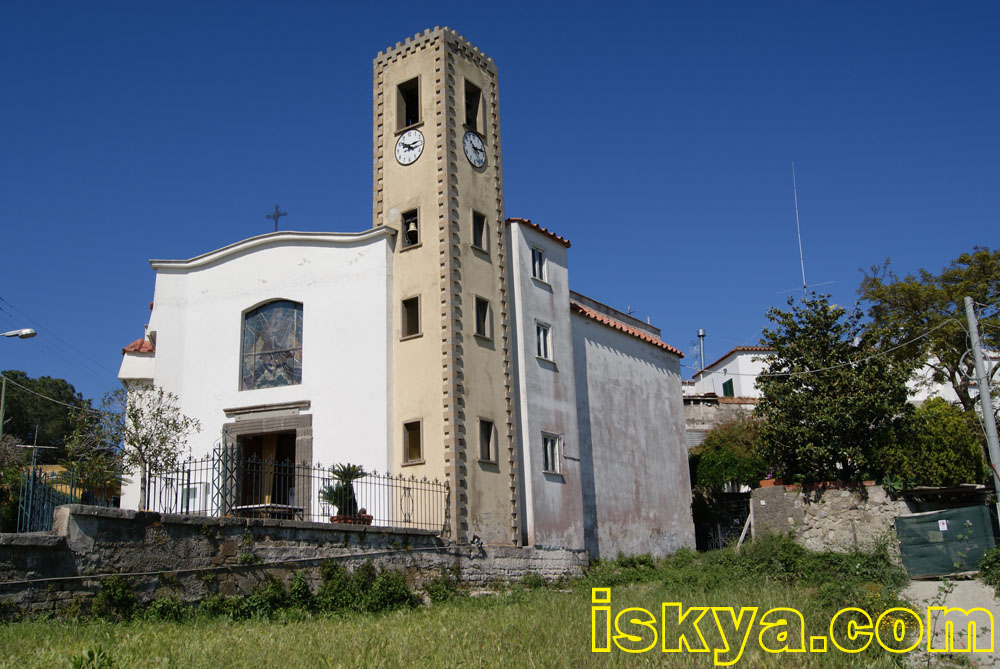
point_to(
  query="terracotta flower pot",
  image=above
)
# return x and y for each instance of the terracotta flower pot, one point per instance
(770, 483)
(353, 519)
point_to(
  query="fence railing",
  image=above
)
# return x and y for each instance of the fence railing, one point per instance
(42, 491)
(225, 485)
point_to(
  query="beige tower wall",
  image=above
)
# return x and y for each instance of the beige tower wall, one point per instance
(448, 377)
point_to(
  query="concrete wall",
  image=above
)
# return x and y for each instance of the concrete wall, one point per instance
(545, 392)
(341, 281)
(636, 487)
(190, 557)
(827, 516)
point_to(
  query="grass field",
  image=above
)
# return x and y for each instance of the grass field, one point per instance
(524, 627)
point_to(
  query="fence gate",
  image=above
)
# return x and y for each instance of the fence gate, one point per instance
(719, 519)
(42, 492)
(951, 541)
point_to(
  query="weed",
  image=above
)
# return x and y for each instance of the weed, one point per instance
(443, 587)
(300, 594)
(989, 569)
(92, 658)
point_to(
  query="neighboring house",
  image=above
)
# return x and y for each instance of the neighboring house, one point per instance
(723, 390)
(444, 342)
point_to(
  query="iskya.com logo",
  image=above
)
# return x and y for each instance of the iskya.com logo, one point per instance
(680, 629)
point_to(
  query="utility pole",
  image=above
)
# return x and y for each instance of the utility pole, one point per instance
(985, 401)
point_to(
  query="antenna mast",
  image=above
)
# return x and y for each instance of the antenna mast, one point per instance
(798, 230)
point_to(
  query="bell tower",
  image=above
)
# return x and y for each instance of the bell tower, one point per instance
(438, 181)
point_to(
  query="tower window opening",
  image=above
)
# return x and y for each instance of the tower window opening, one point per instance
(411, 228)
(473, 102)
(408, 103)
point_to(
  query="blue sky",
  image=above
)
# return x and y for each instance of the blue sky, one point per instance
(659, 139)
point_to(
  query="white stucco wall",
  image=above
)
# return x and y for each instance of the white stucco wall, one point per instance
(742, 367)
(636, 486)
(545, 392)
(342, 281)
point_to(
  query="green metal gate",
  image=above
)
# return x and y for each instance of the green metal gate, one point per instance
(947, 542)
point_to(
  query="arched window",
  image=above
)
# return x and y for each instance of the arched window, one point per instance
(272, 346)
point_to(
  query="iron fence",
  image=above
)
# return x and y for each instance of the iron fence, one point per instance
(227, 485)
(42, 491)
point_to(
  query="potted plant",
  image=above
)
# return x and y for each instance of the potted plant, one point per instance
(341, 495)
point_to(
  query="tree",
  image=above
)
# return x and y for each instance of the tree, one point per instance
(833, 404)
(942, 447)
(728, 453)
(25, 411)
(903, 309)
(141, 426)
(12, 460)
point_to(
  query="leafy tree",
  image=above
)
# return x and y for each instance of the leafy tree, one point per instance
(728, 453)
(24, 411)
(903, 309)
(12, 459)
(942, 447)
(142, 427)
(833, 406)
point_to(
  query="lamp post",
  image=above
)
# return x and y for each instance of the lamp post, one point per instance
(22, 333)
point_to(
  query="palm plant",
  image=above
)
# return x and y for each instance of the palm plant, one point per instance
(342, 494)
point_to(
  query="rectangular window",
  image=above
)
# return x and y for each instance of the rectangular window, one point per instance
(479, 238)
(538, 264)
(484, 318)
(408, 103)
(487, 451)
(543, 347)
(473, 100)
(411, 228)
(412, 451)
(411, 317)
(550, 453)
(727, 389)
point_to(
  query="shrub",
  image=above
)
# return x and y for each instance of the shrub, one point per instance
(989, 569)
(942, 447)
(116, 600)
(170, 609)
(442, 588)
(728, 454)
(338, 592)
(268, 597)
(532, 581)
(389, 591)
(300, 594)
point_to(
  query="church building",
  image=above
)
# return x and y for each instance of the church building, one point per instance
(443, 342)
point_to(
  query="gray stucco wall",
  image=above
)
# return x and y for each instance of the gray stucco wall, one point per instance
(546, 393)
(636, 487)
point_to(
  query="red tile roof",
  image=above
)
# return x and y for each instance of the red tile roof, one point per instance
(139, 346)
(526, 221)
(621, 327)
(738, 349)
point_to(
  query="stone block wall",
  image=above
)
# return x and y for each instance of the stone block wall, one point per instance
(192, 556)
(827, 516)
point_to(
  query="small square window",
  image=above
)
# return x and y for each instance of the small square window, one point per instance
(411, 228)
(487, 449)
(550, 453)
(484, 318)
(473, 101)
(412, 450)
(411, 317)
(538, 264)
(479, 239)
(408, 103)
(543, 345)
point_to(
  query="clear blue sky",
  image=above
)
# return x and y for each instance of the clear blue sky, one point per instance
(659, 139)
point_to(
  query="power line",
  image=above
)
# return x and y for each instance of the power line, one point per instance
(52, 399)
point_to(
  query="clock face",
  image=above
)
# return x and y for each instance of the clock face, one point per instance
(409, 147)
(475, 150)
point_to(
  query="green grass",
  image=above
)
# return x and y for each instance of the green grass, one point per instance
(524, 627)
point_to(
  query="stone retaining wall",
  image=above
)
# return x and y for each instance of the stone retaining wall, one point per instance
(827, 516)
(191, 556)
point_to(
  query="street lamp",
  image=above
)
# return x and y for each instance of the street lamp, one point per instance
(23, 333)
